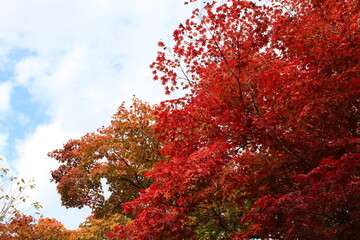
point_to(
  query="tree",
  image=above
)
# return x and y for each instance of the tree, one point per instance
(266, 145)
(13, 195)
(96, 229)
(27, 227)
(120, 154)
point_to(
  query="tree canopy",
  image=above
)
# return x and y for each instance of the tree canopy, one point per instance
(265, 145)
(120, 154)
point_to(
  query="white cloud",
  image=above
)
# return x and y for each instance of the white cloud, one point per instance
(89, 56)
(5, 96)
(29, 69)
(3, 144)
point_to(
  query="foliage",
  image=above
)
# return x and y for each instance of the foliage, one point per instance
(26, 227)
(266, 145)
(13, 195)
(326, 206)
(96, 229)
(120, 153)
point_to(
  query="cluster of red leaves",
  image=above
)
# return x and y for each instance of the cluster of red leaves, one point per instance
(266, 144)
(325, 207)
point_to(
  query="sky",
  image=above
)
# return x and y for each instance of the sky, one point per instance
(65, 67)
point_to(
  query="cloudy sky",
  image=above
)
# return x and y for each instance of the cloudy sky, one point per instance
(65, 66)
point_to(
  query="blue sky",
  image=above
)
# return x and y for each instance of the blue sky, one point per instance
(65, 66)
(23, 114)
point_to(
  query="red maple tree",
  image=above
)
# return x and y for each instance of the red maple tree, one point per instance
(266, 144)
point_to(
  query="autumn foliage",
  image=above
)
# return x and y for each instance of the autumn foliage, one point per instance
(96, 228)
(27, 227)
(265, 145)
(119, 154)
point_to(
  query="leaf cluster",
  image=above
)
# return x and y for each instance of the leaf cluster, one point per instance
(264, 146)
